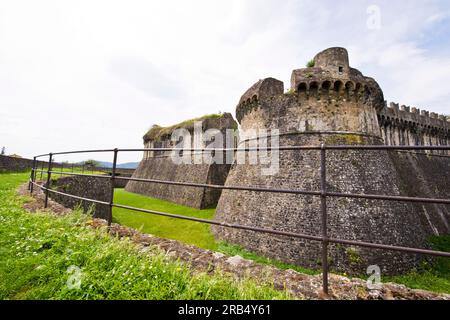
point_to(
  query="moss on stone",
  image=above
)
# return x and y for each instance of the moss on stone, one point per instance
(290, 92)
(353, 256)
(348, 139)
(311, 63)
(156, 132)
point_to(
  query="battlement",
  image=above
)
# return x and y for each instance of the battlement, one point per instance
(331, 80)
(403, 116)
(331, 96)
(262, 89)
(337, 90)
(332, 77)
(335, 60)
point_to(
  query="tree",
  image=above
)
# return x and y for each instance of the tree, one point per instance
(3, 151)
(91, 163)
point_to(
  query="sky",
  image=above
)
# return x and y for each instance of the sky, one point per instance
(98, 74)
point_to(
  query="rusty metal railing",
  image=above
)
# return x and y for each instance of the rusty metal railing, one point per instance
(323, 193)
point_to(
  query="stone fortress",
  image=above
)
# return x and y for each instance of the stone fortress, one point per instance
(158, 165)
(402, 125)
(328, 103)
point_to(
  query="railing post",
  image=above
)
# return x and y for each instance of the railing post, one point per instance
(113, 178)
(42, 170)
(324, 218)
(48, 179)
(32, 177)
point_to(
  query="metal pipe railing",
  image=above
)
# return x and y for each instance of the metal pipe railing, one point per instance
(323, 194)
(257, 229)
(245, 149)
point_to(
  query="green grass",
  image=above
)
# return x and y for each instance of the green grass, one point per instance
(156, 132)
(232, 249)
(195, 233)
(198, 234)
(311, 63)
(433, 277)
(38, 250)
(43, 175)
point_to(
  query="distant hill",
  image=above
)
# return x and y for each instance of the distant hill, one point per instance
(126, 165)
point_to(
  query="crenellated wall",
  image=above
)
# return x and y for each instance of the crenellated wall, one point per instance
(403, 125)
(335, 104)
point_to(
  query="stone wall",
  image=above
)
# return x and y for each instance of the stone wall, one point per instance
(371, 172)
(13, 164)
(163, 168)
(332, 103)
(120, 172)
(158, 165)
(86, 187)
(426, 175)
(403, 125)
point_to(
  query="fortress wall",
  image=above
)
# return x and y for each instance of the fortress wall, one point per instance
(426, 175)
(14, 164)
(306, 112)
(158, 165)
(333, 103)
(423, 173)
(86, 187)
(162, 168)
(402, 125)
(120, 172)
(356, 219)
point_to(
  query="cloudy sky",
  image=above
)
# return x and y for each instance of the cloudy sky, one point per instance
(98, 74)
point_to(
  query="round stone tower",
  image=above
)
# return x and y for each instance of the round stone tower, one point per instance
(334, 104)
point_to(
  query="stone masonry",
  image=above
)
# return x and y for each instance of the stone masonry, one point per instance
(158, 165)
(332, 103)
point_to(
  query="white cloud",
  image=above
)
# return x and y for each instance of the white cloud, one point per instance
(110, 69)
(438, 17)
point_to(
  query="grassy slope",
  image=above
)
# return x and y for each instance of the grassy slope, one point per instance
(183, 230)
(43, 175)
(195, 233)
(36, 251)
(435, 277)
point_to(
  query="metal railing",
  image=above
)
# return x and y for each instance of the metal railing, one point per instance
(323, 193)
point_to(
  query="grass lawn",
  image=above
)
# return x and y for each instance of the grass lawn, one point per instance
(43, 175)
(434, 277)
(186, 231)
(198, 234)
(49, 257)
